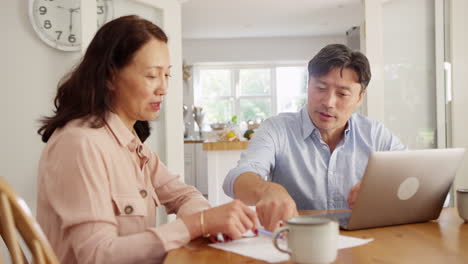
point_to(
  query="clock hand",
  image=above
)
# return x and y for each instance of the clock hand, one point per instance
(71, 17)
(71, 21)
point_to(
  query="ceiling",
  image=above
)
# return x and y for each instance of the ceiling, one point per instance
(205, 19)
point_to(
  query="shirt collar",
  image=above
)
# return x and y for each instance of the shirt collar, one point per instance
(125, 137)
(309, 128)
(349, 126)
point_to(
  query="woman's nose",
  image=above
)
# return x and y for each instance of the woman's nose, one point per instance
(161, 90)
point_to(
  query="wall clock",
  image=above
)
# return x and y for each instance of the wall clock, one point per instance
(57, 22)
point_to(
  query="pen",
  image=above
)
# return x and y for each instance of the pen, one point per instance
(265, 232)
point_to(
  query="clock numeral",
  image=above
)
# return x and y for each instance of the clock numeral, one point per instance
(100, 10)
(72, 38)
(47, 24)
(59, 33)
(42, 10)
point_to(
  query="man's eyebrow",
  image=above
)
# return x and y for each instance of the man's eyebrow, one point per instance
(340, 86)
(322, 82)
(158, 67)
(345, 88)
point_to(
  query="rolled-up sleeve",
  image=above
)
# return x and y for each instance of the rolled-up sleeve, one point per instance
(176, 196)
(96, 242)
(385, 139)
(258, 158)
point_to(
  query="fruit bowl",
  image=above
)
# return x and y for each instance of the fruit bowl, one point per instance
(218, 126)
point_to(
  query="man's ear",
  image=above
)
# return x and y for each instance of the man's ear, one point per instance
(361, 95)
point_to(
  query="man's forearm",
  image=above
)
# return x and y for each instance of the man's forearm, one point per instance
(249, 187)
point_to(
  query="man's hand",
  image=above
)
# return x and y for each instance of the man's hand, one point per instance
(275, 207)
(273, 202)
(353, 193)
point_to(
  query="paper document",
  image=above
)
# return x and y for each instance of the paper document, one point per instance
(261, 247)
(349, 242)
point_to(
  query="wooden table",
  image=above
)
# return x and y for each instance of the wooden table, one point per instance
(444, 241)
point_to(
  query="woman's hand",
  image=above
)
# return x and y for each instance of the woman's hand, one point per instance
(232, 219)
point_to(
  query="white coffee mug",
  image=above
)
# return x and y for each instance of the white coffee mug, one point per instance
(311, 239)
(462, 203)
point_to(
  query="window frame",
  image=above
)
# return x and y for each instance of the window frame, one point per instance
(235, 68)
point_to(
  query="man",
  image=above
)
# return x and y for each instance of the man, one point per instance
(315, 158)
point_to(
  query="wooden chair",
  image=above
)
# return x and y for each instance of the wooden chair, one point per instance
(16, 218)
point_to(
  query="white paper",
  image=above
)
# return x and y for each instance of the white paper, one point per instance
(348, 242)
(261, 247)
(258, 247)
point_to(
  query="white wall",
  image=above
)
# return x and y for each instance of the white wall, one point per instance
(459, 58)
(255, 49)
(409, 71)
(29, 71)
(372, 47)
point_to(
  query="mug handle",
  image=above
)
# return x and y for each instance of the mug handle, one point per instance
(276, 234)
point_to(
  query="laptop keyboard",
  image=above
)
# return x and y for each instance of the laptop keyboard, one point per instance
(342, 217)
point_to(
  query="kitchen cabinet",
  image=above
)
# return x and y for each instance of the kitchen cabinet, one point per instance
(220, 158)
(207, 164)
(195, 163)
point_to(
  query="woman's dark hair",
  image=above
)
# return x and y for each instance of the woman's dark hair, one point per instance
(84, 92)
(339, 56)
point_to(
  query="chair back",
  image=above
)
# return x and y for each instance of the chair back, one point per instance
(16, 218)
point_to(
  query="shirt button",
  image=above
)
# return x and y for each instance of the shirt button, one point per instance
(324, 147)
(128, 209)
(143, 193)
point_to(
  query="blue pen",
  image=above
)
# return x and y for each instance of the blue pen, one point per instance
(265, 232)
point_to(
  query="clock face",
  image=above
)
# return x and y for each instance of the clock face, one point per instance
(58, 22)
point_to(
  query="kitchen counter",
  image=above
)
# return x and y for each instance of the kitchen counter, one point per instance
(225, 145)
(191, 141)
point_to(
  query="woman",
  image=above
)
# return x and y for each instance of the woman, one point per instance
(98, 185)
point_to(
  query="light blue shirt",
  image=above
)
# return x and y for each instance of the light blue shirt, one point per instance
(288, 149)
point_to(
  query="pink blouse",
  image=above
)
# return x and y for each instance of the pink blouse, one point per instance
(97, 204)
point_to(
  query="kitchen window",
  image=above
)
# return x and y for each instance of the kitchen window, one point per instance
(249, 91)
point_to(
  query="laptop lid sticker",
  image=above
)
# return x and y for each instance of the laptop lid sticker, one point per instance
(408, 188)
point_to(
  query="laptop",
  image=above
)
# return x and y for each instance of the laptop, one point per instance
(402, 187)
